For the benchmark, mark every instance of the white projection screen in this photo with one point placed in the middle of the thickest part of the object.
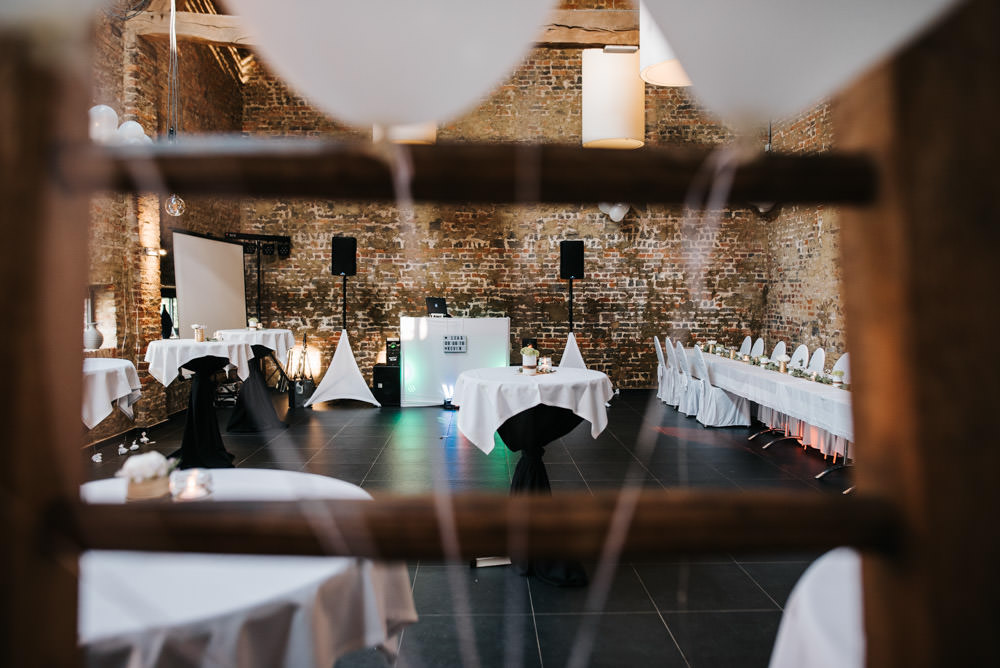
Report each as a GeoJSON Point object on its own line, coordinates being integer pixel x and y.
{"type": "Point", "coordinates": [210, 284]}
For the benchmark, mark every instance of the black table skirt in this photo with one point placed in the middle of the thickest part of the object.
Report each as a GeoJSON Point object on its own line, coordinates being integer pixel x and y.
{"type": "Point", "coordinates": [254, 411]}
{"type": "Point", "coordinates": [202, 444]}
{"type": "Point", "coordinates": [529, 432]}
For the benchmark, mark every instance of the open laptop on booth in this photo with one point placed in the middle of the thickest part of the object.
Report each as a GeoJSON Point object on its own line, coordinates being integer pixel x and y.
{"type": "Point", "coordinates": [437, 307]}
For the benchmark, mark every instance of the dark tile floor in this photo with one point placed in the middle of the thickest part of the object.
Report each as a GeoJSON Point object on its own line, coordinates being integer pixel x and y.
{"type": "Point", "coordinates": [715, 611]}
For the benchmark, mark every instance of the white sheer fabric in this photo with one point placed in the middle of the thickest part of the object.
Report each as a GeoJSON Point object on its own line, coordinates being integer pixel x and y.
{"type": "Point", "coordinates": [818, 360]}
{"type": "Point", "coordinates": [745, 347]}
{"type": "Point", "coordinates": [799, 357]}
{"type": "Point", "coordinates": [571, 357]}
{"type": "Point", "coordinates": [758, 348]}
{"type": "Point", "coordinates": [678, 375]}
{"type": "Point", "coordinates": [690, 400]}
{"type": "Point", "coordinates": [343, 380]}
{"type": "Point", "coordinates": [779, 350]}
{"type": "Point", "coordinates": [718, 408]}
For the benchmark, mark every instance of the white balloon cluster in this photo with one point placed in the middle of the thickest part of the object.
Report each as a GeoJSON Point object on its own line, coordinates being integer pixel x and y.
{"type": "Point", "coordinates": [616, 211]}
{"type": "Point", "coordinates": [104, 129]}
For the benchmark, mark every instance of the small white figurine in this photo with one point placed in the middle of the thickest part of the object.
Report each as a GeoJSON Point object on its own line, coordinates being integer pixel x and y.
{"type": "Point", "coordinates": [122, 449]}
{"type": "Point", "coordinates": [97, 458]}
{"type": "Point", "coordinates": [145, 439]}
{"type": "Point", "coordinates": [134, 446]}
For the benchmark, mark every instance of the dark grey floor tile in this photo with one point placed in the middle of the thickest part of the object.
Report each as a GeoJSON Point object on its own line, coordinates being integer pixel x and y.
{"type": "Point", "coordinates": [699, 586]}
{"type": "Point", "coordinates": [626, 594]}
{"type": "Point", "coordinates": [725, 639]}
{"type": "Point", "coordinates": [363, 658]}
{"type": "Point", "coordinates": [494, 590]}
{"type": "Point", "coordinates": [338, 456]}
{"type": "Point", "coordinates": [352, 473]}
{"type": "Point", "coordinates": [618, 640]}
{"type": "Point", "coordinates": [777, 579]}
{"type": "Point", "coordinates": [620, 470]}
{"type": "Point", "coordinates": [498, 640]}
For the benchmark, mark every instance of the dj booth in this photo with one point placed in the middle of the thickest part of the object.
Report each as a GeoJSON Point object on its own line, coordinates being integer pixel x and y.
{"type": "Point", "coordinates": [435, 350]}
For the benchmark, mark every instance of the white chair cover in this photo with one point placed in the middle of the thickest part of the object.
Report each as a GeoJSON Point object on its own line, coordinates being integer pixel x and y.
{"type": "Point", "coordinates": [844, 364]}
{"type": "Point", "coordinates": [571, 357]}
{"type": "Point", "coordinates": [690, 402]}
{"type": "Point", "coordinates": [758, 348]}
{"type": "Point", "coordinates": [779, 350]}
{"type": "Point", "coordinates": [745, 348]}
{"type": "Point", "coordinates": [799, 357]}
{"type": "Point", "coordinates": [717, 407]}
{"type": "Point", "coordinates": [678, 376]}
{"type": "Point", "coordinates": [818, 360]}
{"type": "Point", "coordinates": [663, 376]}
{"type": "Point", "coordinates": [343, 380]}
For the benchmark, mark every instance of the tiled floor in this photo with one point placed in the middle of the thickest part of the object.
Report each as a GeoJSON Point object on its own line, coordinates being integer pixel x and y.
{"type": "Point", "coordinates": [715, 611]}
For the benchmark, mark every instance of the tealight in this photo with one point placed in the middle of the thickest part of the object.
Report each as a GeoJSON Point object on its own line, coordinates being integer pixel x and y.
{"type": "Point", "coordinates": [190, 484]}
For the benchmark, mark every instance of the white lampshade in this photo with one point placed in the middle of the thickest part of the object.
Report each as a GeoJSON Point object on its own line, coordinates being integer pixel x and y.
{"type": "Point", "coordinates": [413, 133]}
{"type": "Point", "coordinates": [613, 103]}
{"type": "Point", "coordinates": [657, 63]}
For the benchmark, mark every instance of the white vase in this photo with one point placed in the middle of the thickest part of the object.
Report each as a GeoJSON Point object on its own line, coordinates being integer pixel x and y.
{"type": "Point", "coordinates": [92, 337]}
{"type": "Point", "coordinates": [529, 362]}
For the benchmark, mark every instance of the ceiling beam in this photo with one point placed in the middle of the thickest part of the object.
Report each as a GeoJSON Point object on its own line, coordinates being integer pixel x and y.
{"type": "Point", "coordinates": [567, 28]}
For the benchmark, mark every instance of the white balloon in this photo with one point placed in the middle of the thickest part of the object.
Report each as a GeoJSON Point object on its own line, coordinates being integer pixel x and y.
{"type": "Point", "coordinates": [391, 63]}
{"type": "Point", "coordinates": [130, 130]}
{"type": "Point", "coordinates": [103, 123]}
{"type": "Point", "coordinates": [753, 61]}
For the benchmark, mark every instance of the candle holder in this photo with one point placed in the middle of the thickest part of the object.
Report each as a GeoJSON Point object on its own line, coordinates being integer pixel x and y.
{"type": "Point", "coordinates": [190, 484]}
{"type": "Point", "coordinates": [783, 367]}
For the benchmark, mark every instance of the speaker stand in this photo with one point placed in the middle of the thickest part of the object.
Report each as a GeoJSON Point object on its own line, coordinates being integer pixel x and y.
{"type": "Point", "coordinates": [343, 302]}
{"type": "Point", "coordinates": [571, 304]}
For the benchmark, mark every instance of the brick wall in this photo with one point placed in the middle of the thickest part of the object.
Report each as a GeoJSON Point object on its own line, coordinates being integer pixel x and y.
{"type": "Point", "coordinates": [503, 260]}
{"type": "Point", "coordinates": [804, 304]}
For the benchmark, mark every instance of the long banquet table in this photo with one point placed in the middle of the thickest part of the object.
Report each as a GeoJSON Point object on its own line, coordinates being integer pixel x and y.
{"type": "Point", "coordinates": [187, 609]}
{"type": "Point", "coordinates": [822, 406]}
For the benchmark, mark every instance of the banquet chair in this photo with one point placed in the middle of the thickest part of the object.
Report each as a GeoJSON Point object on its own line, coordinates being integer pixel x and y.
{"type": "Point", "coordinates": [818, 361]}
{"type": "Point", "coordinates": [690, 399]}
{"type": "Point", "coordinates": [779, 350]}
{"type": "Point", "coordinates": [718, 408]}
{"type": "Point", "coordinates": [676, 370]}
{"type": "Point", "coordinates": [662, 372]}
{"type": "Point", "coordinates": [745, 348]}
{"type": "Point", "coordinates": [758, 347]}
{"type": "Point", "coordinates": [799, 357]}
{"type": "Point", "coordinates": [843, 364]}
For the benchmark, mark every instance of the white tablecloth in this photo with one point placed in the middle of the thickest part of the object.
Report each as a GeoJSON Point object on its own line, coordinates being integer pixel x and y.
{"type": "Point", "coordinates": [822, 623]}
{"type": "Point", "coordinates": [489, 397]}
{"type": "Point", "coordinates": [167, 356]}
{"type": "Point", "coordinates": [822, 406]}
{"type": "Point", "coordinates": [150, 608]}
{"type": "Point", "coordinates": [105, 382]}
{"type": "Point", "coordinates": [278, 340]}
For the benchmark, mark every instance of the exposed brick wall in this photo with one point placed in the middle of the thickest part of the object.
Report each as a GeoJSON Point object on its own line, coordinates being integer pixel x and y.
{"type": "Point", "coordinates": [804, 304]}
{"type": "Point", "coordinates": [503, 260]}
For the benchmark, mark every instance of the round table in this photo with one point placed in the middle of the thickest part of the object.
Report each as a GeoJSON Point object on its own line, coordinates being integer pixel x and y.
{"type": "Point", "coordinates": [254, 411]}
{"type": "Point", "coordinates": [529, 412]}
{"type": "Point", "coordinates": [201, 445]}
{"type": "Point", "coordinates": [107, 382]}
{"type": "Point", "coordinates": [150, 608]}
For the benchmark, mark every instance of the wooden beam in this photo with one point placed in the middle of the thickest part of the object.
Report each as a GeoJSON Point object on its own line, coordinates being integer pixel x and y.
{"type": "Point", "coordinates": [42, 273]}
{"type": "Point", "coordinates": [568, 28]}
{"type": "Point", "coordinates": [517, 173]}
{"type": "Point", "coordinates": [567, 525]}
{"type": "Point", "coordinates": [920, 275]}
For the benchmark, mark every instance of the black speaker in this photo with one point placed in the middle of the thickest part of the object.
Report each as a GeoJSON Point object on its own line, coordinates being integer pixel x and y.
{"type": "Point", "coordinates": [345, 256]}
{"type": "Point", "coordinates": [571, 258]}
{"type": "Point", "coordinates": [385, 384]}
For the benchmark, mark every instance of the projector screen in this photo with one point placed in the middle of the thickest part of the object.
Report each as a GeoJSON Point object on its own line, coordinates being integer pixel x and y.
{"type": "Point", "coordinates": [210, 284]}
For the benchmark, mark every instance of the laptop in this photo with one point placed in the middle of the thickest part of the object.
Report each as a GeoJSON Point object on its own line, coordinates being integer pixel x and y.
{"type": "Point", "coordinates": [437, 306]}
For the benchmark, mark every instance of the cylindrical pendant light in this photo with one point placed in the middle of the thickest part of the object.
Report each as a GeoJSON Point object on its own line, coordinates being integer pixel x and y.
{"type": "Point", "coordinates": [657, 63]}
{"type": "Point", "coordinates": [613, 103]}
{"type": "Point", "coordinates": [415, 133]}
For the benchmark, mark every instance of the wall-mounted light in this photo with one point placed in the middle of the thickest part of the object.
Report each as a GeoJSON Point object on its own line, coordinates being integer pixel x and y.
{"type": "Point", "coordinates": [155, 252]}
{"type": "Point", "coordinates": [613, 98]}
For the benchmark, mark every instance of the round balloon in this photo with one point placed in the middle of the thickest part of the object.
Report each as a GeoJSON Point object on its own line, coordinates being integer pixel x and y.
{"type": "Point", "coordinates": [392, 63]}
{"type": "Point", "coordinates": [754, 61]}
{"type": "Point", "coordinates": [103, 123]}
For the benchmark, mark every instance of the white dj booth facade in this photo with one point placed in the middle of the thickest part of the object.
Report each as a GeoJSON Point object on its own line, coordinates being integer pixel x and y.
{"type": "Point", "coordinates": [433, 351]}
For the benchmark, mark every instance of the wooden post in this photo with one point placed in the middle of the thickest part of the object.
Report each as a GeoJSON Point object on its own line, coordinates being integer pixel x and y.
{"type": "Point", "coordinates": [921, 273]}
{"type": "Point", "coordinates": [42, 273]}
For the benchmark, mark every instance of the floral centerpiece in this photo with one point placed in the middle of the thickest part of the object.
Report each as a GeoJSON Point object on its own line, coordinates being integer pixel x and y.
{"type": "Point", "coordinates": [253, 323]}
{"type": "Point", "coordinates": [529, 359]}
{"type": "Point", "coordinates": [838, 377]}
{"type": "Point", "coordinates": [148, 476]}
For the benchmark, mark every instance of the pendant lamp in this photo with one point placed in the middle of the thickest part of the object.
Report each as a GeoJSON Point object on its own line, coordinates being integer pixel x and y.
{"type": "Point", "coordinates": [613, 103]}
{"type": "Point", "coordinates": [657, 63]}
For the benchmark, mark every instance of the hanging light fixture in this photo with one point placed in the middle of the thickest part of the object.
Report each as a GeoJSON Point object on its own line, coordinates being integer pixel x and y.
{"type": "Point", "coordinates": [173, 205]}
{"type": "Point", "coordinates": [613, 105]}
{"type": "Point", "coordinates": [413, 133]}
{"type": "Point", "coordinates": [657, 63]}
